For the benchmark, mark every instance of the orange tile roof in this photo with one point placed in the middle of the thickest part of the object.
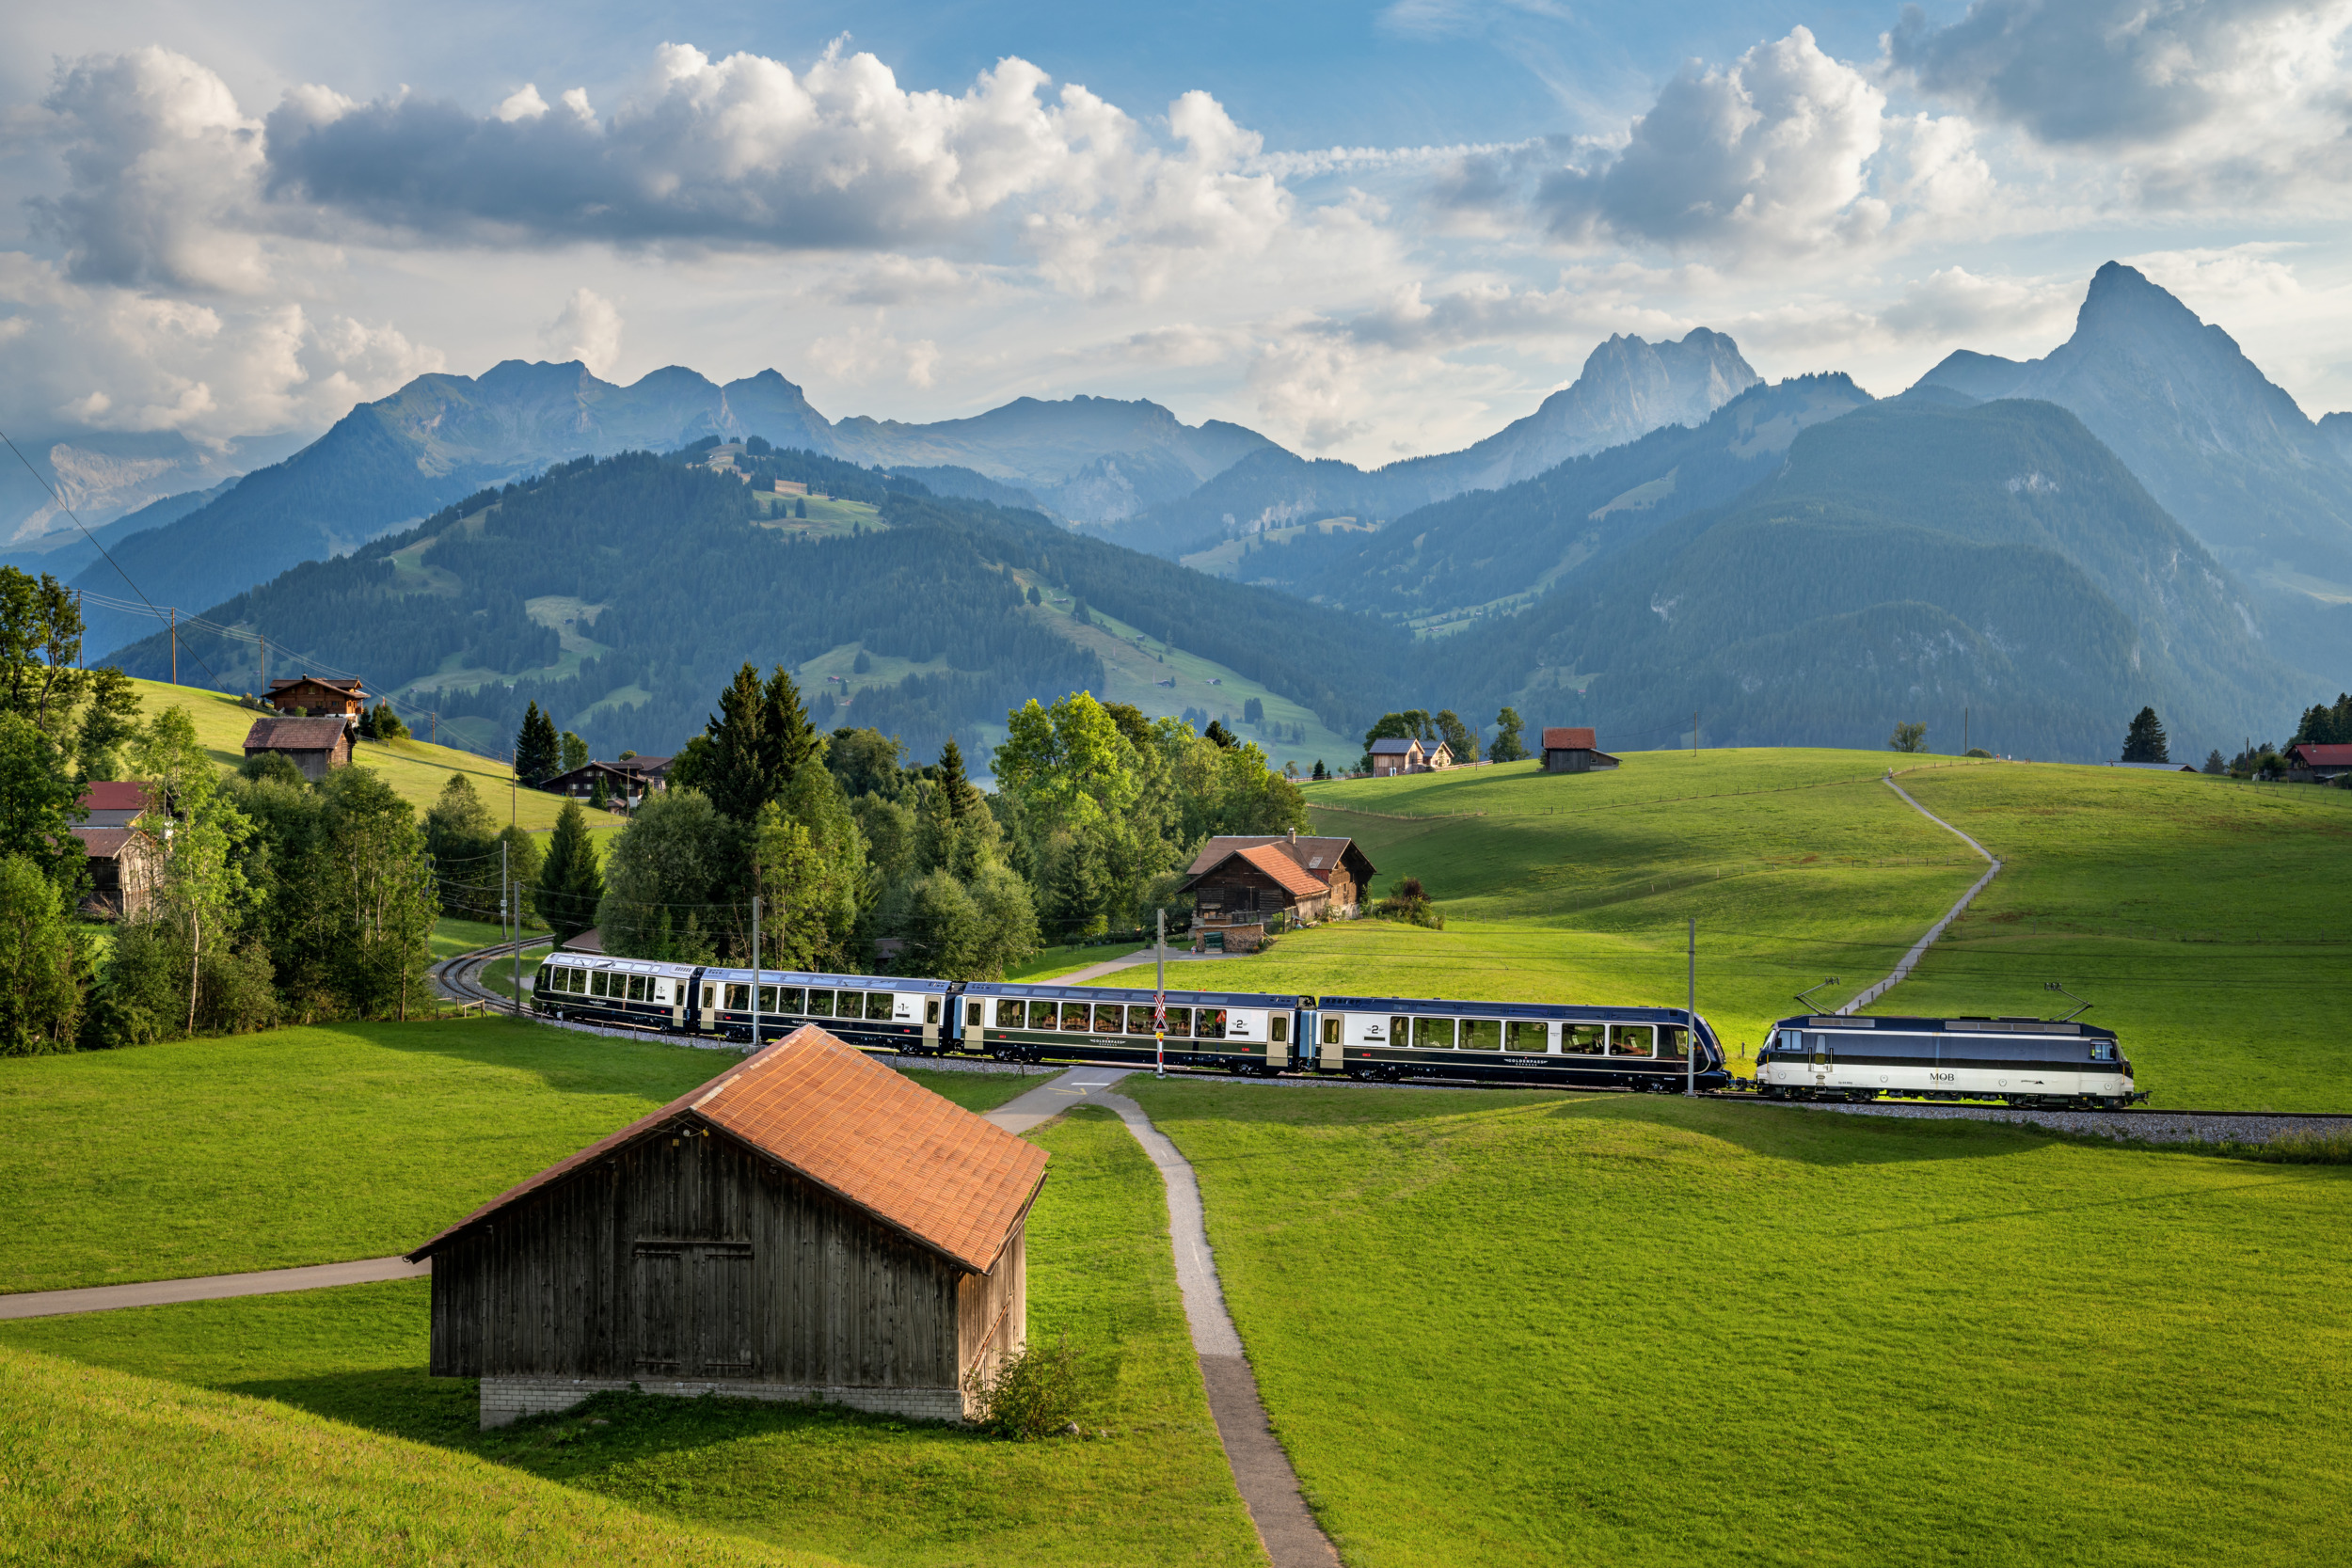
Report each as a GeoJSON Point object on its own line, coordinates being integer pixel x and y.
{"type": "Point", "coordinates": [914, 1160]}
{"type": "Point", "coordinates": [1570, 739]}
{"type": "Point", "coordinates": [1288, 873]}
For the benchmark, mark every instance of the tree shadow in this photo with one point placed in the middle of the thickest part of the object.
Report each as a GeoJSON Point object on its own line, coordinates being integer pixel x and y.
{"type": "Point", "coordinates": [1831, 1138]}
{"type": "Point", "coordinates": [561, 1059]}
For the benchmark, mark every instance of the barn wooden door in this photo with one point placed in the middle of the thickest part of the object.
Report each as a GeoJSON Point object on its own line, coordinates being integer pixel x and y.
{"type": "Point", "coordinates": [694, 1309]}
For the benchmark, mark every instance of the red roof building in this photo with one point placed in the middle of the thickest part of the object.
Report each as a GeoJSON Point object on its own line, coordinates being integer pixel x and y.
{"type": "Point", "coordinates": [2320, 761]}
{"type": "Point", "coordinates": [808, 1224]}
{"type": "Point", "coordinates": [1240, 882]}
{"type": "Point", "coordinates": [1574, 749]}
{"type": "Point", "coordinates": [108, 805]}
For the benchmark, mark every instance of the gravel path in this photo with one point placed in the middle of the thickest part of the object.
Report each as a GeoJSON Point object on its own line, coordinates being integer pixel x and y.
{"type": "Point", "coordinates": [2155, 1127]}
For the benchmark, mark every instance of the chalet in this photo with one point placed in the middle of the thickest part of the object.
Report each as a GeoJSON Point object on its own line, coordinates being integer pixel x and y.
{"type": "Point", "coordinates": [315, 697]}
{"type": "Point", "coordinates": [317, 746]}
{"type": "Point", "coordinates": [1238, 882]}
{"type": "Point", "coordinates": [125, 866]}
{"type": "Point", "coordinates": [1391, 756]}
{"type": "Point", "coordinates": [108, 804]}
{"type": "Point", "coordinates": [627, 782]}
{"type": "Point", "coordinates": [1574, 751]}
{"type": "Point", "coordinates": [2318, 764]}
{"type": "Point", "coordinates": [809, 1225]}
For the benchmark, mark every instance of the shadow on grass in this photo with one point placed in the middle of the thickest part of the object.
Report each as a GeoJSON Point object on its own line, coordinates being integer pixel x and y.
{"type": "Point", "coordinates": [1838, 1138]}
{"type": "Point", "coordinates": [562, 1059]}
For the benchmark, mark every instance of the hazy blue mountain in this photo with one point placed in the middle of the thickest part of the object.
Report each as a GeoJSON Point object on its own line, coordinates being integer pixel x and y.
{"type": "Point", "coordinates": [63, 557]}
{"type": "Point", "coordinates": [1907, 561]}
{"type": "Point", "coordinates": [1490, 551]}
{"type": "Point", "coordinates": [2220, 447]}
{"type": "Point", "coordinates": [1626, 389]}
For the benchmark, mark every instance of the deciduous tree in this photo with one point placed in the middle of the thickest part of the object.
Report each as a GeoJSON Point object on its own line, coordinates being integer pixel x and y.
{"type": "Point", "coordinates": [41, 962]}
{"type": "Point", "coordinates": [1510, 738]}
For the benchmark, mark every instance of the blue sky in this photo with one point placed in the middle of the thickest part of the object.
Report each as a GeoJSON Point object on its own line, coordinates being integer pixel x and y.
{"type": "Point", "coordinates": [224, 225]}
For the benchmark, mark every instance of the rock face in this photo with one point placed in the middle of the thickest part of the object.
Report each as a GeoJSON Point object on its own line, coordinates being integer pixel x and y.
{"type": "Point", "coordinates": [2220, 445]}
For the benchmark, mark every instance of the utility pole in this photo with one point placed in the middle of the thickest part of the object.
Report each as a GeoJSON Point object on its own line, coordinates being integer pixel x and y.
{"type": "Point", "coordinates": [1159, 996]}
{"type": "Point", "coordinates": [265, 642]}
{"type": "Point", "coordinates": [755, 971]}
{"type": "Point", "coordinates": [1690, 1044]}
{"type": "Point", "coordinates": [1695, 737]}
{"type": "Point", "coordinates": [175, 644]}
{"type": "Point", "coordinates": [1964, 732]}
{"type": "Point", "coordinates": [502, 879]}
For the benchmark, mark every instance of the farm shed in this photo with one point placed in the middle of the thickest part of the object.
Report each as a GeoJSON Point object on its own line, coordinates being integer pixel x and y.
{"type": "Point", "coordinates": [125, 863]}
{"type": "Point", "coordinates": [1574, 751]}
{"type": "Point", "coordinates": [1239, 881]}
{"type": "Point", "coordinates": [809, 1225]}
{"type": "Point", "coordinates": [319, 698]}
{"type": "Point", "coordinates": [317, 746]}
{"type": "Point", "coordinates": [109, 804]}
{"type": "Point", "coordinates": [2318, 763]}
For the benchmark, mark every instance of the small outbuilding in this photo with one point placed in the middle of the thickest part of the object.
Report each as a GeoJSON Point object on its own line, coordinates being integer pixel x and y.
{"type": "Point", "coordinates": [108, 803]}
{"type": "Point", "coordinates": [317, 746]}
{"type": "Point", "coordinates": [809, 1225]}
{"type": "Point", "coordinates": [1574, 749]}
{"type": "Point", "coordinates": [316, 697]}
{"type": "Point", "coordinates": [125, 866]}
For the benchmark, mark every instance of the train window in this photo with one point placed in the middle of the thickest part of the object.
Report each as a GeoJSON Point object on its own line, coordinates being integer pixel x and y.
{"type": "Point", "coordinates": [1179, 1023]}
{"type": "Point", "coordinates": [1482, 1034]}
{"type": "Point", "coordinates": [820, 1003]}
{"type": "Point", "coordinates": [1583, 1040]}
{"type": "Point", "coordinates": [791, 999]}
{"type": "Point", "coordinates": [880, 1005]}
{"type": "Point", "coordinates": [1433, 1034]}
{"type": "Point", "coordinates": [1670, 1037]}
{"type": "Point", "coordinates": [738, 998]}
{"type": "Point", "coordinates": [2102, 1050]}
{"type": "Point", "coordinates": [1531, 1038]}
{"type": "Point", "coordinates": [637, 987]}
{"type": "Point", "coordinates": [1279, 1029]}
{"type": "Point", "coordinates": [1106, 1017]}
{"type": "Point", "coordinates": [766, 999]}
{"type": "Point", "coordinates": [710, 997]}
{"type": "Point", "coordinates": [1077, 1018]}
{"type": "Point", "coordinates": [1630, 1040]}
{"type": "Point", "coordinates": [596, 982]}
{"type": "Point", "coordinates": [1399, 1032]}
{"type": "Point", "coordinates": [930, 1009]}
{"type": "Point", "coordinates": [1010, 1014]}
{"type": "Point", "coordinates": [1208, 1023]}
{"type": "Point", "coordinates": [1331, 1029]}
{"type": "Point", "coordinates": [1138, 1021]}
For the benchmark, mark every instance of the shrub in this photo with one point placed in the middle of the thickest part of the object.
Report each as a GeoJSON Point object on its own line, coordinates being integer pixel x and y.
{"type": "Point", "coordinates": [1411, 903]}
{"type": "Point", "coordinates": [1033, 1393]}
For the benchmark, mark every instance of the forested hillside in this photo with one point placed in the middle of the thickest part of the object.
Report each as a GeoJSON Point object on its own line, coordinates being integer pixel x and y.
{"type": "Point", "coordinates": [619, 594]}
{"type": "Point", "coordinates": [1911, 561]}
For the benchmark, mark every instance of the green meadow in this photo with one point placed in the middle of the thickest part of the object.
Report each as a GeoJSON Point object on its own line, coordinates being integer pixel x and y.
{"type": "Point", "coordinates": [274, 1388]}
{"type": "Point", "coordinates": [2190, 912]}
{"type": "Point", "coordinates": [1506, 1328]}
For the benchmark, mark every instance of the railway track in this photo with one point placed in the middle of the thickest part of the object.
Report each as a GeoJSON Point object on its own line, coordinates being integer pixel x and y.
{"type": "Point", "coordinates": [459, 979]}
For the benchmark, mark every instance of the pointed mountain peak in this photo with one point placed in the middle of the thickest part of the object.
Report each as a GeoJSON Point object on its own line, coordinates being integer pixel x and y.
{"type": "Point", "coordinates": [2121, 299]}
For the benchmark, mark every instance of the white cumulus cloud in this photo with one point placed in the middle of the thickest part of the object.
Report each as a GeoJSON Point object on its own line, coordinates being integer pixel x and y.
{"type": "Point", "coordinates": [588, 329]}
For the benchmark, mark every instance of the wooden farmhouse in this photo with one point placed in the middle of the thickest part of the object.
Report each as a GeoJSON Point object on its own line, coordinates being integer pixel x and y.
{"type": "Point", "coordinates": [1391, 755]}
{"type": "Point", "coordinates": [809, 1225]}
{"type": "Point", "coordinates": [314, 697]}
{"type": "Point", "coordinates": [125, 866]}
{"type": "Point", "coordinates": [627, 783]}
{"type": "Point", "coordinates": [2318, 764]}
{"type": "Point", "coordinates": [317, 746]}
{"type": "Point", "coordinates": [1239, 882]}
{"type": "Point", "coordinates": [1574, 751]}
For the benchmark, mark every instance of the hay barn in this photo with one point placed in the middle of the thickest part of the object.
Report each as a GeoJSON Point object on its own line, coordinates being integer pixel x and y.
{"type": "Point", "coordinates": [809, 1225]}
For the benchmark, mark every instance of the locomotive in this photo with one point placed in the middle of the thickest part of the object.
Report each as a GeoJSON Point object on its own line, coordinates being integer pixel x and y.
{"type": "Point", "coordinates": [2022, 1061]}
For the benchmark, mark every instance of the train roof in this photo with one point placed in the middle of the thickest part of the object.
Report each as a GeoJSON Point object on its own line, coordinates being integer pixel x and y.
{"type": "Point", "coordinates": [1130, 994]}
{"type": "Point", "coordinates": [1410, 1004]}
{"type": "Point", "coordinates": [1945, 1025]}
{"type": "Point", "coordinates": [807, 977]}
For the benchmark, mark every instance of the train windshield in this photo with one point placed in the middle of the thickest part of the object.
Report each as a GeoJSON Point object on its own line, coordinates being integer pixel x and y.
{"type": "Point", "coordinates": [1670, 1041]}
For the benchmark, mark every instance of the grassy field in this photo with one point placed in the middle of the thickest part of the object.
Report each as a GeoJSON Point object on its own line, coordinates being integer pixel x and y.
{"type": "Point", "coordinates": [2170, 900]}
{"type": "Point", "coordinates": [1147, 1486]}
{"type": "Point", "coordinates": [311, 1145]}
{"type": "Point", "coordinates": [1509, 1328]}
{"type": "Point", "coordinates": [416, 768]}
{"type": "Point", "coordinates": [106, 1467]}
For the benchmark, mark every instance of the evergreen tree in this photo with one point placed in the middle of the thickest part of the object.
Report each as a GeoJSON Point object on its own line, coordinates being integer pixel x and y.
{"type": "Point", "coordinates": [2144, 742]}
{"type": "Point", "coordinates": [1510, 738]}
{"type": "Point", "coordinates": [1321, 771]}
{"type": "Point", "coordinates": [787, 735]}
{"type": "Point", "coordinates": [570, 884]}
{"type": "Point", "coordinates": [963, 798]}
{"type": "Point", "coordinates": [598, 796]}
{"type": "Point", "coordinates": [1225, 738]}
{"type": "Point", "coordinates": [538, 751]}
{"type": "Point", "coordinates": [2214, 763]}
{"type": "Point", "coordinates": [735, 772]}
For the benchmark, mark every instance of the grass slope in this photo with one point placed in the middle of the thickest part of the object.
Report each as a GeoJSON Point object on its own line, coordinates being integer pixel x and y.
{"type": "Point", "coordinates": [311, 1145]}
{"type": "Point", "coordinates": [2172, 898]}
{"type": "Point", "coordinates": [1510, 1328]}
{"type": "Point", "coordinates": [105, 1466]}
{"type": "Point", "coordinates": [1152, 1489]}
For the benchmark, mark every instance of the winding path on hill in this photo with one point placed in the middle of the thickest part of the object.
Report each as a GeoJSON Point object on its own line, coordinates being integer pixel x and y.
{"type": "Point", "coordinates": [1919, 949]}
{"type": "Point", "coordinates": [1261, 1471]}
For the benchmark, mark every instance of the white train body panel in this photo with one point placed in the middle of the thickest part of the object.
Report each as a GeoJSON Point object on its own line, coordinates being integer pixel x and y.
{"type": "Point", "coordinates": [1955, 1058]}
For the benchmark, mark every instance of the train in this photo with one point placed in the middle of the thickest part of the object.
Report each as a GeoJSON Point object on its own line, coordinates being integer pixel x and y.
{"type": "Point", "coordinates": [1369, 1038]}
{"type": "Point", "coordinates": [2020, 1061]}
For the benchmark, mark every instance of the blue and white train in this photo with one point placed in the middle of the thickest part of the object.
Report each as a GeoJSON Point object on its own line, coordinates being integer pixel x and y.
{"type": "Point", "coordinates": [1371, 1037]}
{"type": "Point", "coordinates": [2022, 1061]}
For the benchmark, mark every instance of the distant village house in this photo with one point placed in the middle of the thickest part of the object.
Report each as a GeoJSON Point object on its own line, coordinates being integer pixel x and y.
{"type": "Point", "coordinates": [1239, 882]}
{"type": "Point", "coordinates": [1391, 756]}
{"type": "Point", "coordinates": [126, 861]}
{"type": "Point", "coordinates": [1574, 749]}
{"type": "Point", "coordinates": [314, 697]}
{"type": "Point", "coordinates": [2318, 764]}
{"type": "Point", "coordinates": [627, 783]}
{"type": "Point", "coordinates": [317, 746]}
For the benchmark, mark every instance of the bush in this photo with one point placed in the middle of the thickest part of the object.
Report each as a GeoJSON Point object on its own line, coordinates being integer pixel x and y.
{"type": "Point", "coordinates": [1411, 903]}
{"type": "Point", "coordinates": [271, 767]}
{"type": "Point", "coordinates": [1034, 1392]}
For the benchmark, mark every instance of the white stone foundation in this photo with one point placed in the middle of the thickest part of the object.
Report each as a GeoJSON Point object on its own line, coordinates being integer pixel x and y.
{"type": "Point", "coordinates": [505, 1400]}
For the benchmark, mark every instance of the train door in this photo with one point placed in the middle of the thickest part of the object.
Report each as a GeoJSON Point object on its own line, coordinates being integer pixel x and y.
{"type": "Point", "coordinates": [932, 1007]}
{"type": "Point", "coordinates": [709, 1009]}
{"type": "Point", "coordinates": [1278, 1040]}
{"type": "Point", "coordinates": [1821, 1058]}
{"type": "Point", "coordinates": [1331, 1030]}
{"type": "Point", "coordinates": [973, 1011]}
{"type": "Point", "coordinates": [675, 991]}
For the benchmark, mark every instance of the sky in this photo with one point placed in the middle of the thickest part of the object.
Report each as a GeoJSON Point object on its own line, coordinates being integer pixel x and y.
{"type": "Point", "coordinates": [1368, 231]}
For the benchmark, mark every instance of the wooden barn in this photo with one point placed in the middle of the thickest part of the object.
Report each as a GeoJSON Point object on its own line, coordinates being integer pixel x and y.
{"type": "Point", "coordinates": [1574, 751]}
{"type": "Point", "coordinates": [1240, 881]}
{"type": "Point", "coordinates": [317, 697]}
{"type": "Point", "coordinates": [809, 1225]}
{"type": "Point", "coordinates": [317, 746]}
{"type": "Point", "coordinates": [126, 865]}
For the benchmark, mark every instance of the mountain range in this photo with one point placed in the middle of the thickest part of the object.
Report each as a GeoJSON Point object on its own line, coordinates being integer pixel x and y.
{"type": "Point", "coordinates": [2138, 516]}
